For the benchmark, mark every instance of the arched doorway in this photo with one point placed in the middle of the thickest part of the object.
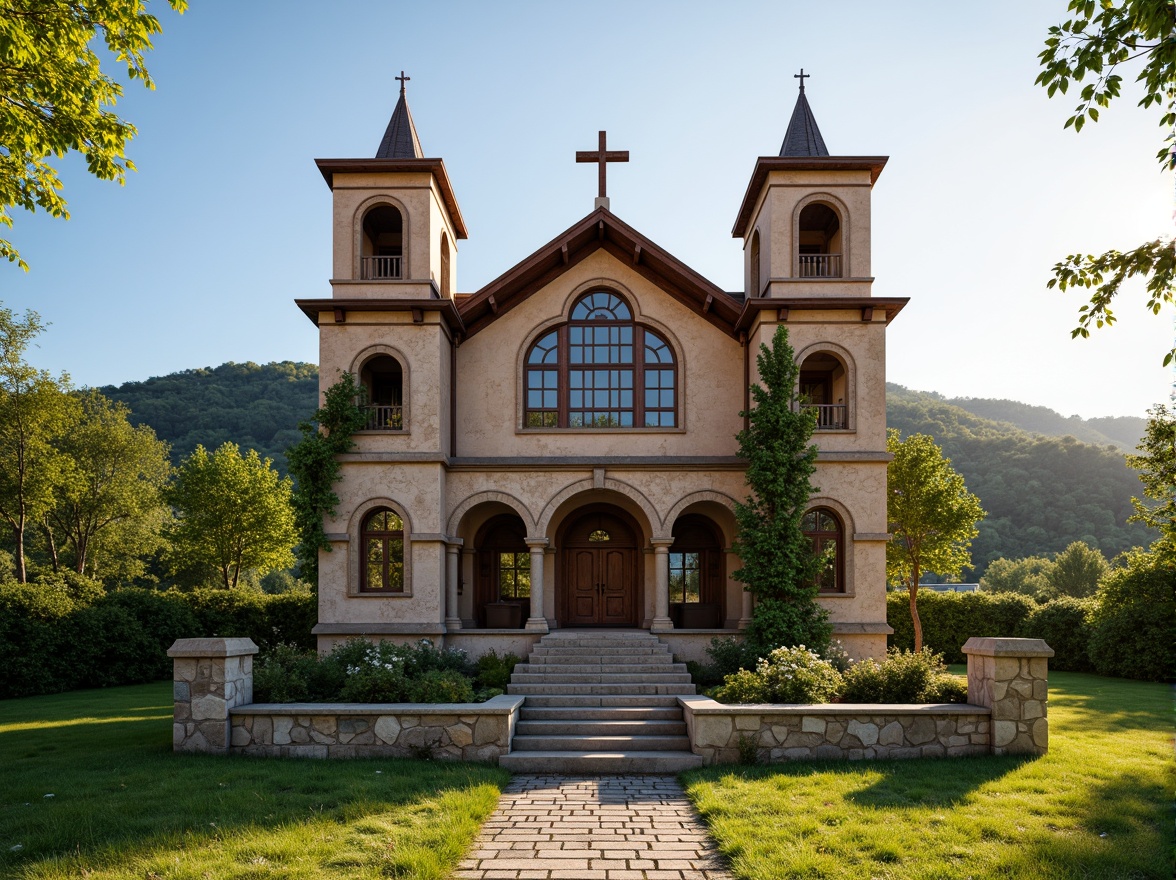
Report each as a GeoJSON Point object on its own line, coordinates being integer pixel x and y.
{"type": "Point", "coordinates": [600, 579]}
{"type": "Point", "coordinates": [502, 574]}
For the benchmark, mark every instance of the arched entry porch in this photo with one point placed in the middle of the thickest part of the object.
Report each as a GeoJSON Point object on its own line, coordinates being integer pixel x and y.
{"type": "Point", "coordinates": [599, 571]}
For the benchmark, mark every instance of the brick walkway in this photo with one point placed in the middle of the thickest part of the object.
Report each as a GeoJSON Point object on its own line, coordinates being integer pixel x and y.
{"type": "Point", "coordinates": [593, 828]}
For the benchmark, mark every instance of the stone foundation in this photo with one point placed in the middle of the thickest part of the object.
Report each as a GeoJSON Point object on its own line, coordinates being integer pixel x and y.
{"type": "Point", "coordinates": [458, 731]}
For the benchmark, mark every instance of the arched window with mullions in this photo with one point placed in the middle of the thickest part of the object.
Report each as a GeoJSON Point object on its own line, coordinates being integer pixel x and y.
{"type": "Point", "coordinates": [382, 540]}
{"type": "Point", "coordinates": [823, 527]}
{"type": "Point", "coordinates": [601, 370]}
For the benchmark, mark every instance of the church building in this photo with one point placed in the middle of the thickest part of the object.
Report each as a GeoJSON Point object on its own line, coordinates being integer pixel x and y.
{"type": "Point", "coordinates": [557, 448]}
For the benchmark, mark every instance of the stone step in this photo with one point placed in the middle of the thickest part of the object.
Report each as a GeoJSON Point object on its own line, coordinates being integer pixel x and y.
{"type": "Point", "coordinates": [585, 690]}
{"type": "Point", "coordinates": [620, 701]}
{"type": "Point", "coordinates": [576, 714]}
{"type": "Point", "coordinates": [631, 634]}
{"type": "Point", "coordinates": [590, 642]}
{"type": "Point", "coordinates": [576, 743]}
{"type": "Point", "coordinates": [595, 763]}
{"type": "Point", "coordinates": [611, 727]}
{"type": "Point", "coordinates": [578, 659]}
{"type": "Point", "coordinates": [612, 678]}
{"type": "Point", "coordinates": [620, 655]}
{"type": "Point", "coordinates": [663, 667]}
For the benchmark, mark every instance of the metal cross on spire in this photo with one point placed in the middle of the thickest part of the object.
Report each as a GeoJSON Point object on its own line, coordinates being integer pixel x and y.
{"type": "Point", "coordinates": [403, 79]}
{"type": "Point", "coordinates": [802, 76]}
{"type": "Point", "coordinates": [602, 156]}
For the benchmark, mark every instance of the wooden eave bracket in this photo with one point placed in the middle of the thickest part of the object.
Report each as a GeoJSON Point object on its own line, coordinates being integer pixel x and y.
{"type": "Point", "coordinates": [493, 304]}
{"type": "Point", "coordinates": [340, 316]}
{"type": "Point", "coordinates": [418, 316]}
{"type": "Point", "coordinates": [867, 314]}
{"type": "Point", "coordinates": [706, 306]}
{"type": "Point", "coordinates": [637, 255]}
{"type": "Point", "coordinates": [782, 315]}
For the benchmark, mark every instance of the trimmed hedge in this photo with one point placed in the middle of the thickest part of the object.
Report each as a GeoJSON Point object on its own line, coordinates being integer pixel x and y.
{"type": "Point", "coordinates": [950, 619]}
{"type": "Point", "coordinates": [64, 634]}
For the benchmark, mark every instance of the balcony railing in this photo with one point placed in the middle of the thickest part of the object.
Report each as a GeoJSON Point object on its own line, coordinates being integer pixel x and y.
{"type": "Point", "coordinates": [830, 416]}
{"type": "Point", "coordinates": [380, 267]}
{"type": "Point", "coordinates": [820, 265]}
{"type": "Point", "coordinates": [384, 418]}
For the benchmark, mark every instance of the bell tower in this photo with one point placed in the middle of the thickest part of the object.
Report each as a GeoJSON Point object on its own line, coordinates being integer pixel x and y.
{"type": "Point", "coordinates": [805, 219]}
{"type": "Point", "coordinates": [396, 220]}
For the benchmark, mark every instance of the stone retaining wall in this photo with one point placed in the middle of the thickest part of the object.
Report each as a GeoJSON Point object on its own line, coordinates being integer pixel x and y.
{"type": "Point", "coordinates": [458, 731]}
{"type": "Point", "coordinates": [839, 730]}
{"type": "Point", "coordinates": [1006, 713]}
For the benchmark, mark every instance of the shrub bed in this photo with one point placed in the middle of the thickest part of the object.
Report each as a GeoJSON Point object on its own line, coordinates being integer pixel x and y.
{"type": "Point", "coordinates": [361, 672]}
{"type": "Point", "coordinates": [797, 675]}
{"type": "Point", "coordinates": [66, 632]}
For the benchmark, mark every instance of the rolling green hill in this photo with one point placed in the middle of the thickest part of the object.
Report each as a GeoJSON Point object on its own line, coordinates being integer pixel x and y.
{"type": "Point", "coordinates": [1041, 492]}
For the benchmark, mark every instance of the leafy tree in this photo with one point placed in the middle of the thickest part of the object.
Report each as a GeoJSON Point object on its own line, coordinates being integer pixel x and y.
{"type": "Point", "coordinates": [932, 516]}
{"type": "Point", "coordinates": [1095, 41]}
{"type": "Point", "coordinates": [1076, 572]}
{"type": "Point", "coordinates": [1028, 576]}
{"type": "Point", "coordinates": [108, 501]}
{"type": "Point", "coordinates": [55, 98]}
{"type": "Point", "coordinates": [232, 513]}
{"type": "Point", "coordinates": [1157, 472]}
{"type": "Point", "coordinates": [315, 466]}
{"type": "Point", "coordinates": [1133, 631]}
{"type": "Point", "coordinates": [778, 565]}
{"type": "Point", "coordinates": [34, 412]}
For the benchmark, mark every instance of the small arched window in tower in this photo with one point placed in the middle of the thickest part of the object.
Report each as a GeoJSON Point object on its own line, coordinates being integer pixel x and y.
{"type": "Point", "coordinates": [383, 378]}
{"type": "Point", "coordinates": [819, 240]}
{"type": "Point", "coordinates": [445, 291]}
{"type": "Point", "coordinates": [755, 265]}
{"type": "Point", "coordinates": [823, 527]}
{"type": "Point", "coordinates": [382, 540]}
{"type": "Point", "coordinates": [824, 387]}
{"type": "Point", "coordinates": [382, 244]}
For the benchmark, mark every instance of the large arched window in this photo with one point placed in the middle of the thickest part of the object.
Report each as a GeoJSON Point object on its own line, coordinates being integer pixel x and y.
{"type": "Point", "coordinates": [600, 370]}
{"type": "Point", "coordinates": [823, 527]}
{"type": "Point", "coordinates": [382, 244]}
{"type": "Point", "coordinates": [382, 539]}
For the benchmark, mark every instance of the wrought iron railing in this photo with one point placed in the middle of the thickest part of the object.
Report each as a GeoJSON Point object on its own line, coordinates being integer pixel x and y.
{"type": "Point", "coordinates": [820, 265]}
{"type": "Point", "coordinates": [384, 418]}
{"type": "Point", "coordinates": [830, 416]}
{"type": "Point", "coordinates": [380, 267]}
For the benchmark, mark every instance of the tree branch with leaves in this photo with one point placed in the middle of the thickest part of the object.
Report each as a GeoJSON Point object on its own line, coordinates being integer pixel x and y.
{"type": "Point", "coordinates": [1101, 36]}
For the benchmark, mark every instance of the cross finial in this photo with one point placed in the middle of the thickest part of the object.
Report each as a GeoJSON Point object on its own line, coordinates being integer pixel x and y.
{"type": "Point", "coordinates": [802, 76]}
{"type": "Point", "coordinates": [403, 79]}
{"type": "Point", "coordinates": [601, 156]}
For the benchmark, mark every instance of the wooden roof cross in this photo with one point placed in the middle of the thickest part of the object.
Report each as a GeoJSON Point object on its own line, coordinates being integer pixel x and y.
{"type": "Point", "coordinates": [602, 156]}
{"type": "Point", "coordinates": [403, 79]}
{"type": "Point", "coordinates": [802, 76]}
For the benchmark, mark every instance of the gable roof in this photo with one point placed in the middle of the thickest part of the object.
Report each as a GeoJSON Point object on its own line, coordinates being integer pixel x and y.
{"type": "Point", "coordinates": [600, 230]}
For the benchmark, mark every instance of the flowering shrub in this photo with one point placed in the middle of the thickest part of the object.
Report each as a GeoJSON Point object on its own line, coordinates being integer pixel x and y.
{"type": "Point", "coordinates": [361, 672]}
{"type": "Point", "coordinates": [787, 675]}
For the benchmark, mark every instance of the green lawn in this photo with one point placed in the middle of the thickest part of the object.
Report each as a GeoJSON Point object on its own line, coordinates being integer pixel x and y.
{"type": "Point", "coordinates": [1099, 805]}
{"type": "Point", "coordinates": [89, 787]}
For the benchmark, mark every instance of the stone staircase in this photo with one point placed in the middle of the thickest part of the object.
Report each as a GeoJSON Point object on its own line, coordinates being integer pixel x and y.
{"type": "Point", "coordinates": [600, 702]}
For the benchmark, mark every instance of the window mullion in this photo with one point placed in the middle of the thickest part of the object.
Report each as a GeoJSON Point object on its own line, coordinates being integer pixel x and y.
{"type": "Point", "coordinates": [638, 377]}
{"type": "Point", "coordinates": [561, 359]}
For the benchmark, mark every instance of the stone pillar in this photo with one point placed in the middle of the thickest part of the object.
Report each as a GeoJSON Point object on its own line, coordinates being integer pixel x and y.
{"type": "Point", "coordinates": [452, 573]}
{"type": "Point", "coordinates": [537, 622]}
{"type": "Point", "coordinates": [748, 607]}
{"type": "Point", "coordinates": [661, 596]}
{"type": "Point", "coordinates": [1011, 677]}
{"type": "Point", "coordinates": [210, 677]}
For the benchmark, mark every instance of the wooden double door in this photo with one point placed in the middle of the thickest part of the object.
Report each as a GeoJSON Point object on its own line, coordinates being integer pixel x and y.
{"type": "Point", "coordinates": [600, 578]}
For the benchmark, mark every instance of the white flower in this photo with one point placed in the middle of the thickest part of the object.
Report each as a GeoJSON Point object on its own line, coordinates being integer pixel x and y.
{"type": "Point", "coordinates": [50, 795]}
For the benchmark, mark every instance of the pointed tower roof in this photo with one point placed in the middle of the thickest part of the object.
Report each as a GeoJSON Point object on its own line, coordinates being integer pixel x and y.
{"type": "Point", "coordinates": [400, 138]}
{"type": "Point", "coordinates": [803, 138]}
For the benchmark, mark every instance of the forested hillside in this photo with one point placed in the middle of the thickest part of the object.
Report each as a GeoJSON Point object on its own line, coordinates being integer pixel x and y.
{"type": "Point", "coordinates": [1041, 493]}
{"type": "Point", "coordinates": [256, 406]}
{"type": "Point", "coordinates": [1122, 431]}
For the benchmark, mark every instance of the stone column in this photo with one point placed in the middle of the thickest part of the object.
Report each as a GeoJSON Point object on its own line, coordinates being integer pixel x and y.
{"type": "Point", "coordinates": [209, 677]}
{"type": "Point", "coordinates": [1011, 677]}
{"type": "Point", "coordinates": [452, 573]}
{"type": "Point", "coordinates": [537, 622]}
{"type": "Point", "coordinates": [661, 596]}
{"type": "Point", "coordinates": [748, 607]}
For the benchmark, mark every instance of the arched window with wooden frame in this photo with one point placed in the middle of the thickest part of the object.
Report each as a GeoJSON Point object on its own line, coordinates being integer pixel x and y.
{"type": "Point", "coordinates": [696, 574]}
{"type": "Point", "coordinates": [382, 560]}
{"type": "Point", "coordinates": [446, 293]}
{"type": "Point", "coordinates": [823, 528]}
{"type": "Point", "coordinates": [600, 370]}
{"type": "Point", "coordinates": [755, 264]}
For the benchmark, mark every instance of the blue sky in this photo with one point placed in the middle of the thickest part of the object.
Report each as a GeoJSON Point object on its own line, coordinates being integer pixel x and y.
{"type": "Point", "coordinates": [197, 259]}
